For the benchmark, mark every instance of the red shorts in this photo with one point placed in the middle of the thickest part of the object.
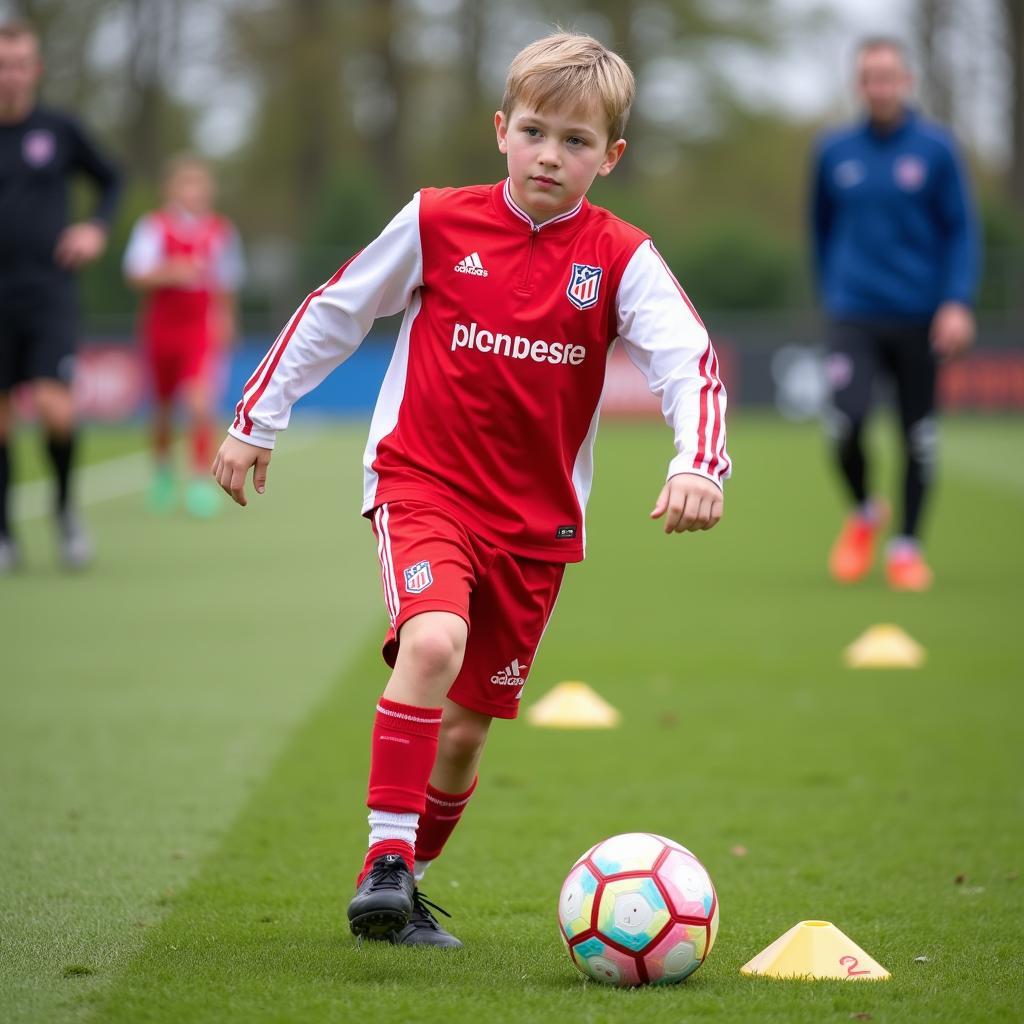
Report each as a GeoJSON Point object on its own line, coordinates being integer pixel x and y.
{"type": "Point", "coordinates": [172, 366]}
{"type": "Point", "coordinates": [430, 562]}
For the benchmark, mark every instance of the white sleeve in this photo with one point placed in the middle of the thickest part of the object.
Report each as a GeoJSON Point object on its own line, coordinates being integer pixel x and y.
{"type": "Point", "coordinates": [145, 249]}
{"type": "Point", "coordinates": [665, 339]}
{"type": "Point", "coordinates": [330, 325]}
{"type": "Point", "coordinates": [229, 267]}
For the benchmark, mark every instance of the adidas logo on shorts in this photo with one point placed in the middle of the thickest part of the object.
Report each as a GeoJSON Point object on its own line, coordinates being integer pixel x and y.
{"type": "Point", "coordinates": [510, 675]}
{"type": "Point", "coordinates": [471, 265]}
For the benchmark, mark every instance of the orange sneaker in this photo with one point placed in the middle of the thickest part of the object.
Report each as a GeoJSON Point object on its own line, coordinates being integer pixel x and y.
{"type": "Point", "coordinates": [907, 570]}
{"type": "Point", "coordinates": [854, 550]}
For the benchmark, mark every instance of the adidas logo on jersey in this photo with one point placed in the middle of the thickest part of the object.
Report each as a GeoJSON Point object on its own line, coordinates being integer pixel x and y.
{"type": "Point", "coordinates": [510, 675]}
{"type": "Point", "coordinates": [471, 265]}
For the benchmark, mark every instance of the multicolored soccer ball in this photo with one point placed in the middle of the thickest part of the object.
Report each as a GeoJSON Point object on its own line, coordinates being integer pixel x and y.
{"type": "Point", "coordinates": [638, 909]}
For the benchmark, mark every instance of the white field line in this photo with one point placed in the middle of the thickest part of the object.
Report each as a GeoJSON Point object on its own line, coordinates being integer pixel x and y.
{"type": "Point", "coordinates": [102, 481]}
{"type": "Point", "coordinates": [112, 478]}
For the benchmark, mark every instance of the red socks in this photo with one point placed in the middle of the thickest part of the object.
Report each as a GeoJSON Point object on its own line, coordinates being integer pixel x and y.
{"type": "Point", "coordinates": [201, 441]}
{"type": "Point", "coordinates": [401, 760]}
{"type": "Point", "coordinates": [162, 441]}
{"type": "Point", "coordinates": [442, 815]}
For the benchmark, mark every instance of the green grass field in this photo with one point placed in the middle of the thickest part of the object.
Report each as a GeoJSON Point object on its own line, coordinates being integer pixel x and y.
{"type": "Point", "coordinates": [184, 740]}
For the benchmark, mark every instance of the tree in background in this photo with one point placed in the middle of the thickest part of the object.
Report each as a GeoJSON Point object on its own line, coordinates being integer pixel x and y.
{"type": "Point", "coordinates": [324, 116]}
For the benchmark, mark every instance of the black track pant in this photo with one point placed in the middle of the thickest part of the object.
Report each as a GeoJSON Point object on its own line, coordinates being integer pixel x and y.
{"type": "Point", "coordinates": [858, 352]}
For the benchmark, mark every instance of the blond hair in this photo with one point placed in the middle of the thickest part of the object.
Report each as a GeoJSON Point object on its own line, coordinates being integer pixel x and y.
{"type": "Point", "coordinates": [185, 161]}
{"type": "Point", "coordinates": [570, 70]}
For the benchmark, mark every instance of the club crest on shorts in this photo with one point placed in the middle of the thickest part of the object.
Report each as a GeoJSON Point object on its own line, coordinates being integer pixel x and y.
{"type": "Point", "coordinates": [38, 147]}
{"type": "Point", "coordinates": [584, 285]}
{"type": "Point", "coordinates": [418, 577]}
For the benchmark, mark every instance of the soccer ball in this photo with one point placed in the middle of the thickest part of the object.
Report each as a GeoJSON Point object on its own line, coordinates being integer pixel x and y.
{"type": "Point", "coordinates": [638, 909]}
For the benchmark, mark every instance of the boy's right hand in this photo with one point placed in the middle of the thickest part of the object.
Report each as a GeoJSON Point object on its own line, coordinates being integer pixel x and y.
{"type": "Point", "coordinates": [233, 462]}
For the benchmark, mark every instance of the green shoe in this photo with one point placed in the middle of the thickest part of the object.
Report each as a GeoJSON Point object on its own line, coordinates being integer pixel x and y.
{"type": "Point", "coordinates": [201, 499]}
{"type": "Point", "coordinates": [162, 496]}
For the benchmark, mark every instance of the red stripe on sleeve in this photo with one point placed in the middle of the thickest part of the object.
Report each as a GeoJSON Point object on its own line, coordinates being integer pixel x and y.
{"type": "Point", "coordinates": [686, 298]}
{"type": "Point", "coordinates": [252, 380]}
{"type": "Point", "coordinates": [246, 421]}
{"type": "Point", "coordinates": [705, 362]}
{"type": "Point", "coordinates": [716, 429]}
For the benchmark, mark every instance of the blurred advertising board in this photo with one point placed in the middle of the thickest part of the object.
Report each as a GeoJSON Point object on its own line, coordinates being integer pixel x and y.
{"type": "Point", "coordinates": [110, 382]}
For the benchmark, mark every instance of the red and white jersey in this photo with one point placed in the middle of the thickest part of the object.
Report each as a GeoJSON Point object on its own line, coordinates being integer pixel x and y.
{"type": "Point", "coordinates": [180, 317]}
{"type": "Point", "coordinates": [211, 240]}
{"type": "Point", "coordinates": [489, 407]}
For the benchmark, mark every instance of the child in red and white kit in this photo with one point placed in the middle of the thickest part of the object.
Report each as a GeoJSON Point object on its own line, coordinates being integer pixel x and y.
{"type": "Point", "coordinates": [188, 261]}
{"type": "Point", "coordinates": [479, 461]}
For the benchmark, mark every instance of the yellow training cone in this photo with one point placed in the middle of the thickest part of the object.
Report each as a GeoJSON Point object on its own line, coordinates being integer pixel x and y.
{"type": "Point", "coordinates": [815, 949]}
{"type": "Point", "coordinates": [884, 646]}
{"type": "Point", "coordinates": [573, 705]}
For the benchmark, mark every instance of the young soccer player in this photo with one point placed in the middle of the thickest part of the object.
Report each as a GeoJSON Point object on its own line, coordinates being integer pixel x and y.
{"type": "Point", "coordinates": [188, 262]}
{"type": "Point", "coordinates": [479, 461]}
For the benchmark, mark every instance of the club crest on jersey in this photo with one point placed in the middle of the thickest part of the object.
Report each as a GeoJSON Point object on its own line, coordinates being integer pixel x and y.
{"type": "Point", "coordinates": [418, 577]}
{"type": "Point", "coordinates": [910, 172]}
{"type": "Point", "coordinates": [584, 285]}
{"type": "Point", "coordinates": [38, 147]}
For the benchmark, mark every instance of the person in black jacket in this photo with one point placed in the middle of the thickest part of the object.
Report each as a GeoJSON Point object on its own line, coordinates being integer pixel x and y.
{"type": "Point", "coordinates": [41, 150]}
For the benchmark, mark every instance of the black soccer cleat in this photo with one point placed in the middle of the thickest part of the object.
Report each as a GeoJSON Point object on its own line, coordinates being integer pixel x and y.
{"type": "Point", "coordinates": [383, 901]}
{"type": "Point", "coordinates": [423, 928]}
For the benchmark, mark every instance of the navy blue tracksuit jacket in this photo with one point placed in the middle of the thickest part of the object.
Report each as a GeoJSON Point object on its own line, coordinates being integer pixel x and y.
{"type": "Point", "coordinates": [894, 229]}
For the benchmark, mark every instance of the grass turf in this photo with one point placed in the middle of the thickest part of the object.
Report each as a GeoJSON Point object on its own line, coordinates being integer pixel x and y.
{"type": "Point", "coordinates": [96, 444]}
{"type": "Point", "coordinates": [860, 798]}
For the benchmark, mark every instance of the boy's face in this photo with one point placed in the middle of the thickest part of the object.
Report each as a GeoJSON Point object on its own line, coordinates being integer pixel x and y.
{"type": "Point", "coordinates": [554, 157]}
{"type": "Point", "coordinates": [191, 187]}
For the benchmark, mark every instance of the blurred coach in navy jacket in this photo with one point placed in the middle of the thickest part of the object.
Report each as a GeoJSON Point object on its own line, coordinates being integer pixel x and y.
{"type": "Point", "coordinates": [896, 261]}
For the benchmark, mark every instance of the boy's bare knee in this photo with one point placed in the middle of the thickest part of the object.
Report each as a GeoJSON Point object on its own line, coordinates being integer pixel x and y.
{"type": "Point", "coordinates": [433, 648]}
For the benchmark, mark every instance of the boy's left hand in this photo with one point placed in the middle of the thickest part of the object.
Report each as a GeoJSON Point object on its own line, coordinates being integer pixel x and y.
{"type": "Point", "coordinates": [692, 502]}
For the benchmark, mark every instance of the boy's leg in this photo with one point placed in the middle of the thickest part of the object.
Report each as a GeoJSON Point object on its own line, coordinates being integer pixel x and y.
{"type": "Point", "coordinates": [405, 734]}
{"type": "Point", "coordinates": [453, 780]}
{"type": "Point", "coordinates": [427, 570]}
{"type": "Point", "coordinates": [201, 497]}
{"type": "Point", "coordinates": [161, 491]}
{"type": "Point", "coordinates": [510, 609]}
{"type": "Point", "coordinates": [163, 368]}
{"type": "Point", "coordinates": [406, 730]}
{"type": "Point", "coordinates": [162, 431]}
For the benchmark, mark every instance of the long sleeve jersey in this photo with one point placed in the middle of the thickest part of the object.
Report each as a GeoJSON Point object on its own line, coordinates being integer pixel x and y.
{"type": "Point", "coordinates": [893, 227]}
{"type": "Point", "coordinates": [489, 407]}
{"type": "Point", "coordinates": [38, 158]}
